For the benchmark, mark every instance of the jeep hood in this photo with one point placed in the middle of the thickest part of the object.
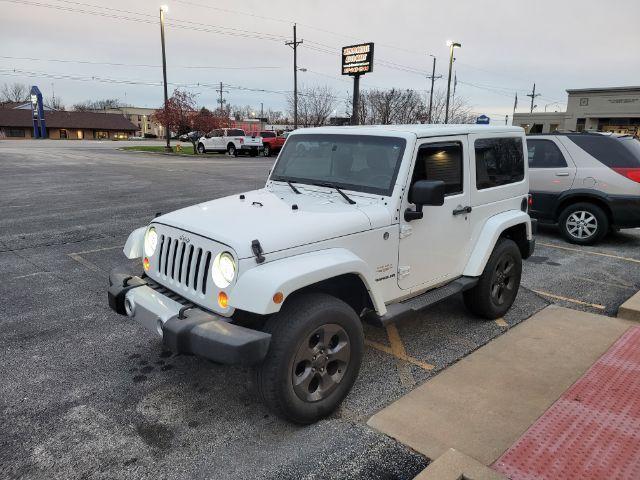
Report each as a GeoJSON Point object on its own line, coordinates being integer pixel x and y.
{"type": "Point", "coordinates": [269, 216]}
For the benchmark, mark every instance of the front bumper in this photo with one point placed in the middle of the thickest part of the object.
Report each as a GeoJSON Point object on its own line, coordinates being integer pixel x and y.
{"type": "Point", "coordinates": [183, 329]}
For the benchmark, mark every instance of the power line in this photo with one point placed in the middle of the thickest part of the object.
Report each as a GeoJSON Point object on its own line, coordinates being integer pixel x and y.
{"type": "Point", "coordinates": [145, 65]}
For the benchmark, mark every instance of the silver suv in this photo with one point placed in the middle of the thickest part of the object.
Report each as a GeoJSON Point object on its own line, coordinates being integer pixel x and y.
{"type": "Point", "coordinates": [587, 183]}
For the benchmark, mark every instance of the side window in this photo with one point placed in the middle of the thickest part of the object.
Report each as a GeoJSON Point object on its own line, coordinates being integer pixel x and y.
{"type": "Point", "coordinates": [440, 161]}
{"type": "Point", "coordinates": [499, 161]}
{"type": "Point", "coordinates": [545, 154]}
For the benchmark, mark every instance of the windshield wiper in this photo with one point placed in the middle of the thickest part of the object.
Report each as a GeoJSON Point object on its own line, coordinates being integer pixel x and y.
{"type": "Point", "coordinates": [293, 187]}
{"type": "Point", "coordinates": [344, 195]}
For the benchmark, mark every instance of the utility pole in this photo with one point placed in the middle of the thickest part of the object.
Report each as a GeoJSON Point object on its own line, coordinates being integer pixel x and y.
{"type": "Point", "coordinates": [294, 44]}
{"type": "Point", "coordinates": [261, 110]}
{"type": "Point", "coordinates": [433, 79]}
{"type": "Point", "coordinates": [221, 91]}
{"type": "Point", "coordinates": [533, 96]}
{"type": "Point", "coordinates": [163, 10]}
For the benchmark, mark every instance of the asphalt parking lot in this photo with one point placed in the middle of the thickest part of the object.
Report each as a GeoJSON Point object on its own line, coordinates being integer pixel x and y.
{"type": "Point", "coordinates": [85, 393]}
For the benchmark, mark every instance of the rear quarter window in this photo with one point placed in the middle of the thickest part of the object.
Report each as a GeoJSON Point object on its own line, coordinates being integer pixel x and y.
{"type": "Point", "coordinates": [614, 152]}
{"type": "Point", "coordinates": [499, 161]}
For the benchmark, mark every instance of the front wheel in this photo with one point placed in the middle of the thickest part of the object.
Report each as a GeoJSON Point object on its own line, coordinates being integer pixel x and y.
{"type": "Point", "coordinates": [201, 149]}
{"type": "Point", "coordinates": [267, 151]}
{"type": "Point", "coordinates": [583, 223]}
{"type": "Point", "coordinates": [498, 285]}
{"type": "Point", "coordinates": [314, 357]}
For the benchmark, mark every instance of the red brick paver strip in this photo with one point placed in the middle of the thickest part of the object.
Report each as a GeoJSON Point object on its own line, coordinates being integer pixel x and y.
{"type": "Point", "coordinates": [593, 430]}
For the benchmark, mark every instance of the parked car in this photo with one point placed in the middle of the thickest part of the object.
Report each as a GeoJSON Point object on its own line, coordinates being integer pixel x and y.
{"type": "Point", "coordinates": [587, 183]}
{"type": "Point", "coordinates": [353, 224]}
{"type": "Point", "coordinates": [230, 140]}
{"type": "Point", "coordinates": [272, 142]}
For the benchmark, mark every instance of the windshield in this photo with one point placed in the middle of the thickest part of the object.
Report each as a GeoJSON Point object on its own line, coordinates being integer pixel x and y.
{"type": "Point", "coordinates": [364, 163]}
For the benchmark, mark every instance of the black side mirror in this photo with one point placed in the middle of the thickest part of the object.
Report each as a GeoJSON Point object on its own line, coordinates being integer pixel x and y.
{"type": "Point", "coordinates": [424, 192]}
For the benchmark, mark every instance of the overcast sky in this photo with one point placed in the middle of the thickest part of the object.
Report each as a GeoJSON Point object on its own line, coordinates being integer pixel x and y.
{"type": "Point", "coordinates": [506, 47]}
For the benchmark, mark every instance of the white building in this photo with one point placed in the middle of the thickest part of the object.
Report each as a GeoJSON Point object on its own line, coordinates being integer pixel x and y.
{"type": "Point", "coordinates": [614, 109]}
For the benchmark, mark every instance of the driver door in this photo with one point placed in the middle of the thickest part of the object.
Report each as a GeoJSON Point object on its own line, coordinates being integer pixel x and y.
{"type": "Point", "coordinates": [435, 249]}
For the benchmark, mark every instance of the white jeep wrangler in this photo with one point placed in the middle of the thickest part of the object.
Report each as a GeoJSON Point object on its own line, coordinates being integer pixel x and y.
{"type": "Point", "coordinates": [353, 224]}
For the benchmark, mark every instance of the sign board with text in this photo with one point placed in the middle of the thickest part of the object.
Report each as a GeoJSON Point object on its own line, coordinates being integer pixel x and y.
{"type": "Point", "coordinates": [357, 59]}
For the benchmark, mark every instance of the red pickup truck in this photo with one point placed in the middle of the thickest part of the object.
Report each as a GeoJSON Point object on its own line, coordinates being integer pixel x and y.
{"type": "Point", "coordinates": [272, 143]}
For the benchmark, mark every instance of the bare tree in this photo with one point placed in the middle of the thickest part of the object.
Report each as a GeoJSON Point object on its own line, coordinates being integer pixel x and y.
{"type": "Point", "coordinates": [315, 105]}
{"type": "Point", "coordinates": [55, 103]}
{"type": "Point", "coordinates": [385, 107]}
{"type": "Point", "coordinates": [15, 92]}
{"type": "Point", "coordinates": [104, 104]}
{"type": "Point", "coordinates": [459, 109]}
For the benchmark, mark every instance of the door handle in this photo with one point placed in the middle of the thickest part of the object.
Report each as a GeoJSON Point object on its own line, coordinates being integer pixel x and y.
{"type": "Point", "coordinates": [562, 174]}
{"type": "Point", "coordinates": [462, 210]}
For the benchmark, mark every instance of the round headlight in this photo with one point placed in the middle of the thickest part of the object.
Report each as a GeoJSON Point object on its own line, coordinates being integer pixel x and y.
{"type": "Point", "coordinates": [223, 270]}
{"type": "Point", "coordinates": [150, 242]}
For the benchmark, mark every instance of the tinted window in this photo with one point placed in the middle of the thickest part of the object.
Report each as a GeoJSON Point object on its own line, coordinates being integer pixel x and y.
{"type": "Point", "coordinates": [499, 161]}
{"type": "Point", "coordinates": [545, 154]}
{"type": "Point", "coordinates": [235, 132]}
{"type": "Point", "coordinates": [614, 152]}
{"type": "Point", "coordinates": [267, 134]}
{"type": "Point", "coordinates": [354, 162]}
{"type": "Point", "coordinates": [440, 161]}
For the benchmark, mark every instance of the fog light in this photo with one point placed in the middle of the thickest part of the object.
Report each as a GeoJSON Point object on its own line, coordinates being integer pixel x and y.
{"type": "Point", "coordinates": [223, 300]}
{"type": "Point", "coordinates": [146, 264]}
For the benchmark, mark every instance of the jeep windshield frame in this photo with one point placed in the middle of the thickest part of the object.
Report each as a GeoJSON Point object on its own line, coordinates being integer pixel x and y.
{"type": "Point", "coordinates": [359, 163]}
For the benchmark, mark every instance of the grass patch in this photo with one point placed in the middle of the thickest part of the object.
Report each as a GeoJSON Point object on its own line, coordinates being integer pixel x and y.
{"type": "Point", "coordinates": [186, 149]}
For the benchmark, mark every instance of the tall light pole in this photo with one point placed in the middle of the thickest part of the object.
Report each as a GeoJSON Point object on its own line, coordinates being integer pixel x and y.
{"type": "Point", "coordinates": [164, 9]}
{"type": "Point", "coordinates": [452, 46]}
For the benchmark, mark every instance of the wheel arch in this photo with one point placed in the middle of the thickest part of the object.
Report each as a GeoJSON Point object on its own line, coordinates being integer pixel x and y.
{"type": "Point", "coordinates": [513, 224]}
{"type": "Point", "coordinates": [336, 271]}
{"type": "Point", "coordinates": [584, 196]}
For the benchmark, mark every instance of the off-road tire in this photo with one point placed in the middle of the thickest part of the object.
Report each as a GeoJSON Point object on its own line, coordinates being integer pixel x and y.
{"type": "Point", "coordinates": [201, 150]}
{"type": "Point", "coordinates": [482, 300]}
{"type": "Point", "coordinates": [594, 216]}
{"type": "Point", "coordinates": [291, 329]}
{"type": "Point", "coordinates": [232, 150]}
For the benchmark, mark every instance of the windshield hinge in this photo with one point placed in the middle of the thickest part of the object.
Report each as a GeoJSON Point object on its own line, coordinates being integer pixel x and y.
{"type": "Point", "coordinates": [257, 251]}
{"type": "Point", "coordinates": [403, 271]}
{"type": "Point", "coordinates": [405, 231]}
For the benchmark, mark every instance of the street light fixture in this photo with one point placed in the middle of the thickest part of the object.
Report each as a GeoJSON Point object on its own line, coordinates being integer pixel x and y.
{"type": "Point", "coordinates": [452, 45]}
{"type": "Point", "coordinates": [163, 10]}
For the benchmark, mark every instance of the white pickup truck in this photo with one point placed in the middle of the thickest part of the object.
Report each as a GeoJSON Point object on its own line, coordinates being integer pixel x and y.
{"type": "Point", "coordinates": [230, 140]}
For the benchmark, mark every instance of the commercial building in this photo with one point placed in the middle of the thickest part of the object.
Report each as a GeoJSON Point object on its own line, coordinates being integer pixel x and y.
{"type": "Point", "coordinates": [615, 109]}
{"type": "Point", "coordinates": [141, 118]}
{"type": "Point", "coordinates": [16, 121]}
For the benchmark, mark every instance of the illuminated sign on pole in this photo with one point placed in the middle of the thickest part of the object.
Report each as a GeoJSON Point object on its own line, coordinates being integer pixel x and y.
{"type": "Point", "coordinates": [357, 59]}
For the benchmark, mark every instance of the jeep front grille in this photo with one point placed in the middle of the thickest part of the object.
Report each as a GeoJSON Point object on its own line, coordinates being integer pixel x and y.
{"type": "Point", "coordinates": [186, 264]}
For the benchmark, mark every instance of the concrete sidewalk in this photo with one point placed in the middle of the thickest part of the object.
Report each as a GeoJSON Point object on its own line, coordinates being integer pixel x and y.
{"type": "Point", "coordinates": [481, 405]}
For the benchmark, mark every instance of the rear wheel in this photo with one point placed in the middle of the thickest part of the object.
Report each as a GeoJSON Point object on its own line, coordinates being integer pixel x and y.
{"type": "Point", "coordinates": [314, 357]}
{"type": "Point", "coordinates": [231, 150]}
{"type": "Point", "coordinates": [201, 149]}
{"type": "Point", "coordinates": [583, 223]}
{"type": "Point", "coordinates": [498, 285]}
